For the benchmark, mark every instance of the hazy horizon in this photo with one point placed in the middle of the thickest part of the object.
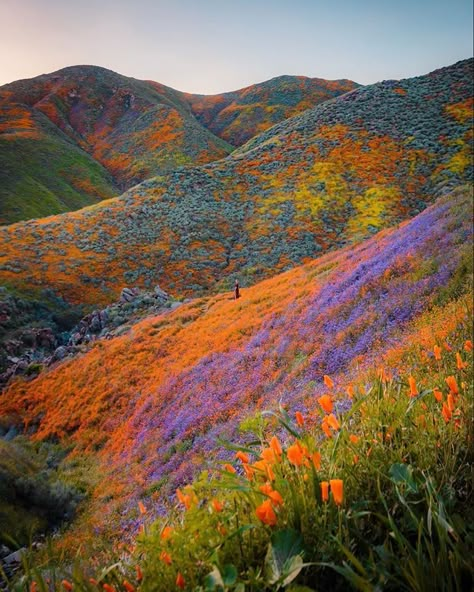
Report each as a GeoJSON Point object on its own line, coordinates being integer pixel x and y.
{"type": "Point", "coordinates": [213, 47]}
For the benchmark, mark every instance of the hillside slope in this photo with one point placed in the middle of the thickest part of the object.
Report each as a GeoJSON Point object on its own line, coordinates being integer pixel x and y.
{"type": "Point", "coordinates": [154, 400]}
{"type": "Point", "coordinates": [133, 129]}
{"type": "Point", "coordinates": [41, 171]}
{"type": "Point", "coordinates": [331, 176]}
{"type": "Point", "coordinates": [239, 115]}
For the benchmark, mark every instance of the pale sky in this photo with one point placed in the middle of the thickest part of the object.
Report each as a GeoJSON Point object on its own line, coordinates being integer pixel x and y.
{"type": "Point", "coordinates": [212, 46]}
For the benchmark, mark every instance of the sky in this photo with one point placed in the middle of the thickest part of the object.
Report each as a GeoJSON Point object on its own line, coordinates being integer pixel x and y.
{"type": "Point", "coordinates": [212, 46]}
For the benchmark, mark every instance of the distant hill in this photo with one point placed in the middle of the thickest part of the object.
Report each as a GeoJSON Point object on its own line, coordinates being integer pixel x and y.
{"type": "Point", "coordinates": [239, 115]}
{"type": "Point", "coordinates": [84, 133]}
{"type": "Point", "coordinates": [132, 129]}
{"type": "Point", "coordinates": [320, 180]}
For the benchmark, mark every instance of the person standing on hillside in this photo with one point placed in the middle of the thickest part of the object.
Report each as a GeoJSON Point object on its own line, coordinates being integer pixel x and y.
{"type": "Point", "coordinates": [236, 290]}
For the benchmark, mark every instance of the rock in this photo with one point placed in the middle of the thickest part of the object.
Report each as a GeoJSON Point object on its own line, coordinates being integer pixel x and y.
{"type": "Point", "coordinates": [14, 557]}
{"type": "Point", "coordinates": [95, 324]}
{"type": "Point", "coordinates": [129, 294]}
{"type": "Point", "coordinates": [161, 294]}
{"type": "Point", "coordinates": [59, 353]}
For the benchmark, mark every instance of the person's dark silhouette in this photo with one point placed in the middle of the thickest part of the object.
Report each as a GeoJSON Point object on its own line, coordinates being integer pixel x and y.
{"type": "Point", "coordinates": [236, 290]}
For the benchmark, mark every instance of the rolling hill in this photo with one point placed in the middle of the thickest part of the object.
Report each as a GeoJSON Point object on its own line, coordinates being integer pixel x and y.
{"type": "Point", "coordinates": [150, 404]}
{"type": "Point", "coordinates": [131, 129]}
{"type": "Point", "coordinates": [330, 176]}
{"type": "Point", "coordinates": [242, 114]}
{"type": "Point", "coordinates": [85, 133]}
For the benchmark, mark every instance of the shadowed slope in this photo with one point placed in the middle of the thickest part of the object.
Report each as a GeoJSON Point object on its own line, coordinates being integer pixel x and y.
{"type": "Point", "coordinates": [156, 399]}
{"type": "Point", "coordinates": [333, 175]}
{"type": "Point", "coordinates": [41, 171]}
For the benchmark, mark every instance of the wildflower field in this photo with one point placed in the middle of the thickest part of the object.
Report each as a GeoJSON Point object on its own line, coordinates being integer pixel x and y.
{"type": "Point", "coordinates": [316, 433]}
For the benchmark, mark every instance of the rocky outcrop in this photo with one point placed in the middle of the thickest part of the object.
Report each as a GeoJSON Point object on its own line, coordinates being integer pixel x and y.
{"type": "Point", "coordinates": [33, 349]}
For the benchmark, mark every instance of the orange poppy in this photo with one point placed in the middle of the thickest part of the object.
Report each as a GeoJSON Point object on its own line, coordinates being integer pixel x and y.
{"type": "Point", "coordinates": [459, 362]}
{"type": "Point", "coordinates": [266, 514]}
{"type": "Point", "coordinates": [328, 381]}
{"type": "Point", "coordinates": [326, 403]}
{"type": "Point", "coordinates": [437, 352]}
{"type": "Point", "coordinates": [165, 557]}
{"type": "Point", "coordinates": [468, 345]}
{"type": "Point", "coordinates": [180, 581]}
{"type": "Point", "coordinates": [128, 587]}
{"type": "Point", "coordinates": [217, 505]}
{"type": "Point", "coordinates": [446, 412]}
{"type": "Point", "coordinates": [268, 454]}
{"type": "Point", "coordinates": [450, 402]}
{"type": "Point", "coordinates": [324, 491]}
{"type": "Point", "coordinates": [276, 446]}
{"type": "Point", "coordinates": [437, 394]}
{"type": "Point", "coordinates": [242, 456]}
{"type": "Point", "coordinates": [295, 455]}
{"type": "Point", "coordinates": [299, 418]}
{"type": "Point", "coordinates": [248, 471]}
{"type": "Point", "coordinates": [316, 458]}
{"type": "Point", "coordinates": [67, 585]}
{"type": "Point", "coordinates": [350, 391]}
{"type": "Point", "coordinates": [139, 572]}
{"type": "Point", "coordinates": [326, 428]}
{"type": "Point", "coordinates": [413, 389]}
{"type": "Point", "coordinates": [337, 489]}
{"type": "Point", "coordinates": [453, 385]}
{"type": "Point", "coordinates": [354, 439]}
{"type": "Point", "coordinates": [333, 422]}
{"type": "Point", "coordinates": [142, 508]}
{"type": "Point", "coordinates": [229, 468]}
{"type": "Point", "coordinates": [166, 533]}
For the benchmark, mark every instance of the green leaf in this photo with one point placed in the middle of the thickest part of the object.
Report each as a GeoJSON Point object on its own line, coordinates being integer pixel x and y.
{"type": "Point", "coordinates": [283, 561]}
{"type": "Point", "coordinates": [401, 473]}
{"type": "Point", "coordinates": [229, 574]}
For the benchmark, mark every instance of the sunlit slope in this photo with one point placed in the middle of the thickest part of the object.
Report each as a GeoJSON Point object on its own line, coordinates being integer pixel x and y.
{"type": "Point", "coordinates": [154, 401]}
{"type": "Point", "coordinates": [331, 176]}
{"type": "Point", "coordinates": [239, 115]}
